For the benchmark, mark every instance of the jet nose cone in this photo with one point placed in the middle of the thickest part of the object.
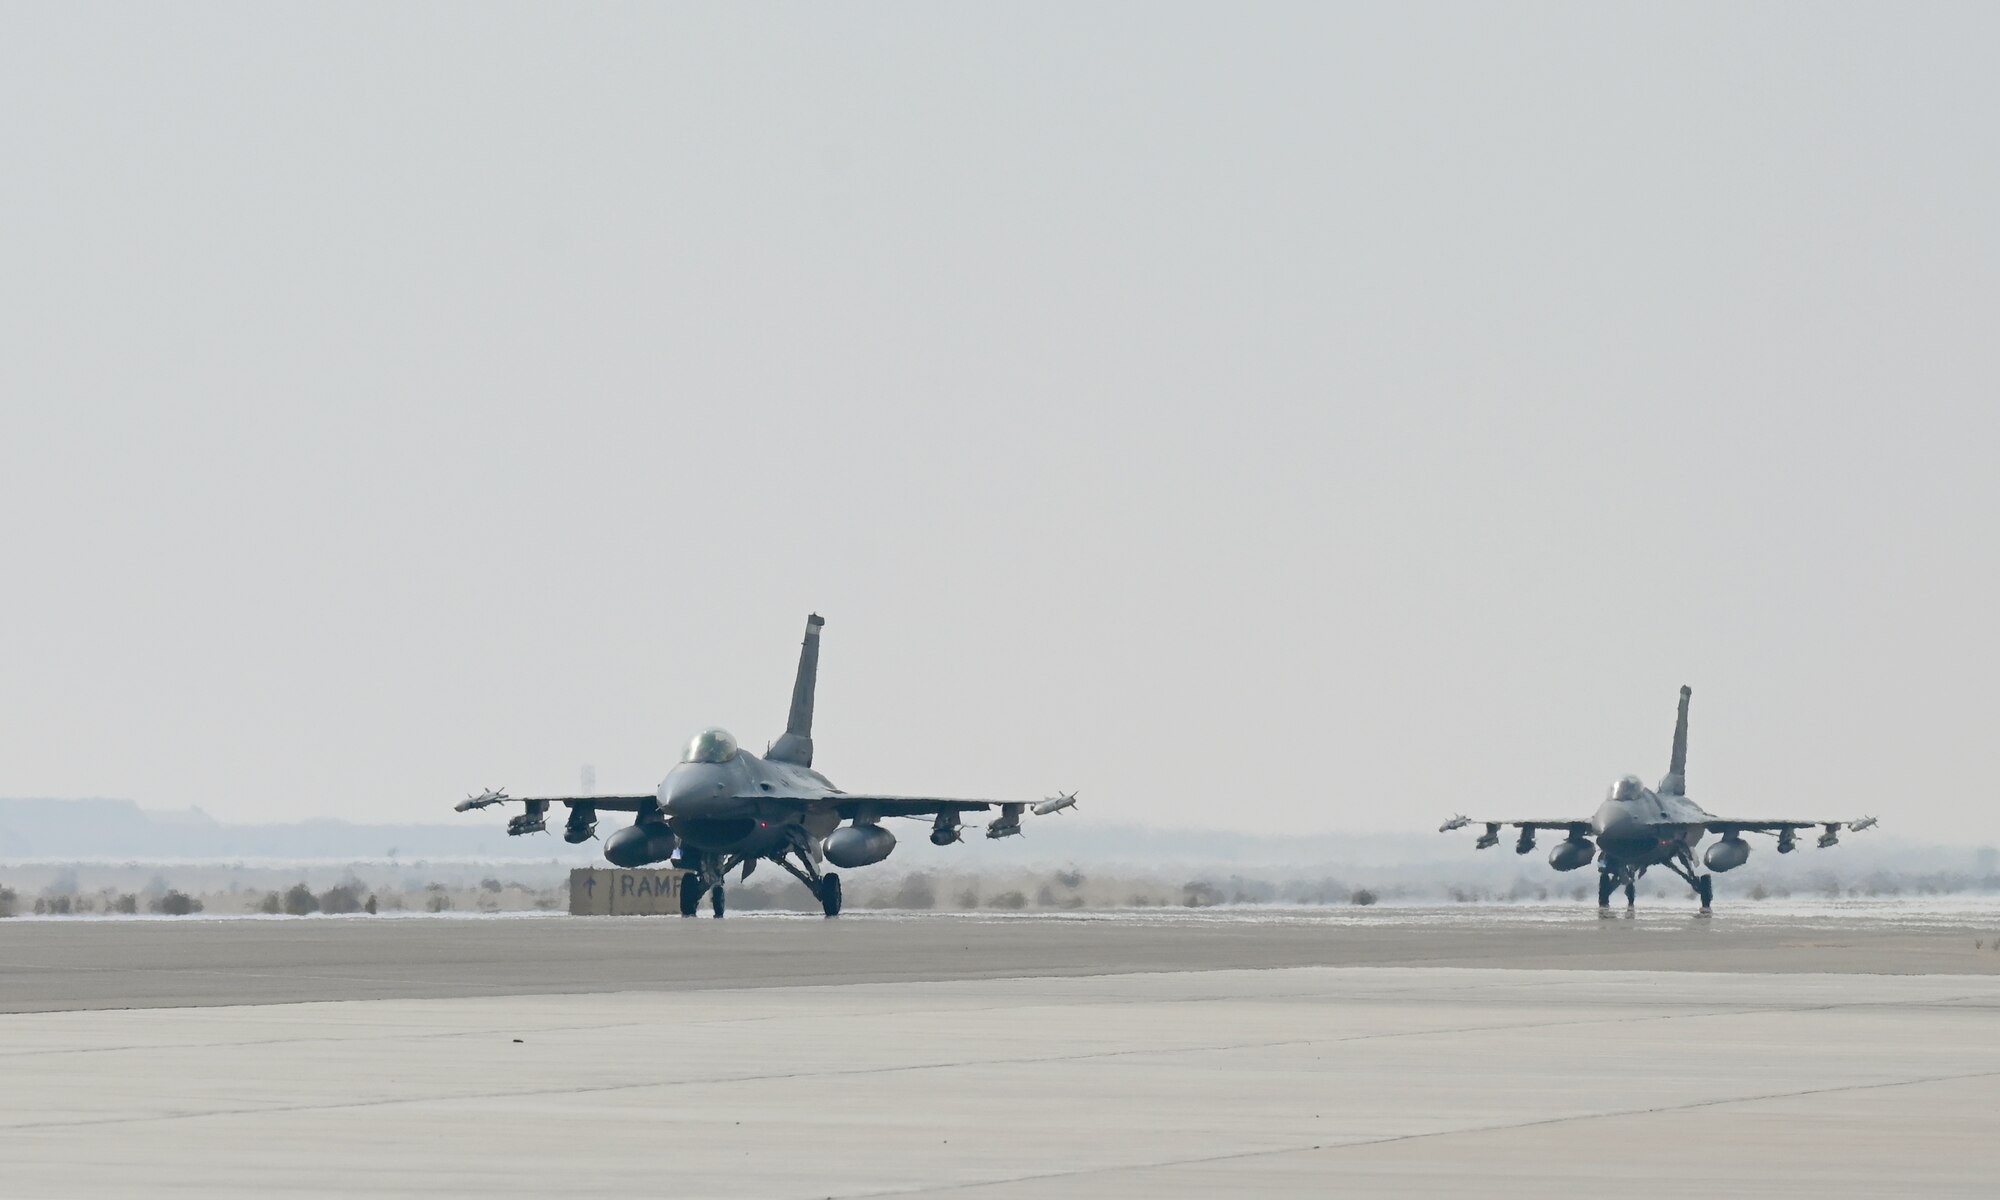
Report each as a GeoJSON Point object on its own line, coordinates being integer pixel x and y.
{"type": "Point", "coordinates": [1615, 821]}
{"type": "Point", "coordinates": [699, 792]}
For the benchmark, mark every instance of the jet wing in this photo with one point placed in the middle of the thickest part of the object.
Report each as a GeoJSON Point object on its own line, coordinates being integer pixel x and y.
{"type": "Point", "coordinates": [609, 803]}
{"type": "Point", "coordinates": [1779, 825]}
{"type": "Point", "coordinates": [850, 805]}
{"type": "Point", "coordinates": [1577, 827]}
{"type": "Point", "coordinates": [1461, 822]}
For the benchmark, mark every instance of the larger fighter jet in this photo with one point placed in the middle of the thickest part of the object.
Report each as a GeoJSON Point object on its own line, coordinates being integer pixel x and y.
{"type": "Point", "coordinates": [723, 807]}
{"type": "Point", "coordinates": [1637, 827]}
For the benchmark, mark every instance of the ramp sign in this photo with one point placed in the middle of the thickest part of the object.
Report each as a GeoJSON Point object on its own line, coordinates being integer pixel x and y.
{"type": "Point", "coordinates": [609, 892]}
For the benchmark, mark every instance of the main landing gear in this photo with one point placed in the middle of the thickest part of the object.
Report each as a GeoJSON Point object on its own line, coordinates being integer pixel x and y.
{"type": "Point", "coordinates": [825, 886]}
{"type": "Point", "coordinates": [1703, 885]}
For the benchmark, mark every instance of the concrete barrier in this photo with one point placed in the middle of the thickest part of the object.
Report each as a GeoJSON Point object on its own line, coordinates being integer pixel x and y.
{"type": "Point", "coordinates": [639, 892]}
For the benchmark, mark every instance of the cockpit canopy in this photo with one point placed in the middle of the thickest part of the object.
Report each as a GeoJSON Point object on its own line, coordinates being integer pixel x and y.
{"type": "Point", "coordinates": [710, 746]}
{"type": "Point", "coordinates": [1628, 788]}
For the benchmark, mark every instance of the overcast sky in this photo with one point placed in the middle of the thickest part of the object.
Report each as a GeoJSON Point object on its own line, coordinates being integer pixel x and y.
{"type": "Point", "coordinates": [1258, 417]}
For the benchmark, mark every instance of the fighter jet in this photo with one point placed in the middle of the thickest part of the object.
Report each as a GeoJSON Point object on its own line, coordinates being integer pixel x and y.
{"type": "Point", "coordinates": [1639, 827]}
{"type": "Point", "coordinates": [723, 807]}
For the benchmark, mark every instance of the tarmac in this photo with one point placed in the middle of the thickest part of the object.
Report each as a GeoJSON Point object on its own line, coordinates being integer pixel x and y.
{"type": "Point", "coordinates": [1170, 1055]}
{"type": "Point", "coordinates": [72, 963]}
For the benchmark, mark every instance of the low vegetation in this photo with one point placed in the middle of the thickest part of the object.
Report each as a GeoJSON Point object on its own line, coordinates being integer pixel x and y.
{"type": "Point", "coordinates": [365, 889]}
{"type": "Point", "coordinates": [340, 899]}
{"type": "Point", "coordinates": [174, 904]}
{"type": "Point", "coordinates": [299, 901]}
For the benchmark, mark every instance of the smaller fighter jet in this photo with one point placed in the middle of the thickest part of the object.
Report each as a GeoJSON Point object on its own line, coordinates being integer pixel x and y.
{"type": "Point", "coordinates": [1639, 827]}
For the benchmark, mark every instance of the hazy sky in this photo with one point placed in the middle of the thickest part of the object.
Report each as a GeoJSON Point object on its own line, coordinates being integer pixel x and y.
{"type": "Point", "coordinates": [1253, 416]}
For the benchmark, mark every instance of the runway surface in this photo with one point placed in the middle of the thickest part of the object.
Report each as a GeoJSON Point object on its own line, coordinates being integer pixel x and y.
{"type": "Point", "coordinates": [1163, 1055]}
{"type": "Point", "coordinates": [70, 963]}
{"type": "Point", "coordinates": [1292, 1082]}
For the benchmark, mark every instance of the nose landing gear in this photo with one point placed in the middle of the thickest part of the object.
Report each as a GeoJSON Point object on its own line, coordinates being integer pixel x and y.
{"type": "Point", "coordinates": [705, 880]}
{"type": "Point", "coordinates": [692, 890]}
{"type": "Point", "coordinates": [1609, 880]}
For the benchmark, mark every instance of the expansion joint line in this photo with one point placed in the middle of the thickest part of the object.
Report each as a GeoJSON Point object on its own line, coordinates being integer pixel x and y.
{"type": "Point", "coordinates": [1504, 1127]}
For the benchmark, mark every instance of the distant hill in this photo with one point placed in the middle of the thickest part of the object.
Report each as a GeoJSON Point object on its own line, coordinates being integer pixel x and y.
{"type": "Point", "coordinates": [101, 829]}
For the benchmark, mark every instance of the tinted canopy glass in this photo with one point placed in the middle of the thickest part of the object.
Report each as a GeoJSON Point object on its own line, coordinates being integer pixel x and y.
{"type": "Point", "coordinates": [710, 746]}
{"type": "Point", "coordinates": [1628, 788]}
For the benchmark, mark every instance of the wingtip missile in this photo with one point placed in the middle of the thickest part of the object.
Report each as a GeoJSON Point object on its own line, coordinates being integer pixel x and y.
{"type": "Point", "coordinates": [1056, 803]}
{"type": "Point", "coordinates": [1458, 821]}
{"type": "Point", "coordinates": [489, 796]}
{"type": "Point", "coordinates": [1863, 823]}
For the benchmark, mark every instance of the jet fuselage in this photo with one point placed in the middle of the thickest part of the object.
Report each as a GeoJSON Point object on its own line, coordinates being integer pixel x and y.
{"type": "Point", "coordinates": [706, 804]}
{"type": "Point", "coordinates": [1642, 827]}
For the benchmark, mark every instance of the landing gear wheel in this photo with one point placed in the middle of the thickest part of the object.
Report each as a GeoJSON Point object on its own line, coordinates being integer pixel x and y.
{"type": "Point", "coordinates": [1631, 894]}
{"type": "Point", "coordinates": [715, 899]}
{"type": "Point", "coordinates": [691, 891]}
{"type": "Point", "coordinates": [829, 894]}
{"type": "Point", "coordinates": [1605, 886]}
{"type": "Point", "coordinates": [1704, 886]}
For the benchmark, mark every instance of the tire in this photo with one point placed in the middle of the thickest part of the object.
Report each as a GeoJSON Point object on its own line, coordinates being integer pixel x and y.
{"type": "Point", "coordinates": [715, 899]}
{"type": "Point", "coordinates": [1705, 888]}
{"type": "Point", "coordinates": [829, 894]}
{"type": "Point", "coordinates": [691, 890]}
{"type": "Point", "coordinates": [1605, 886]}
{"type": "Point", "coordinates": [1631, 894]}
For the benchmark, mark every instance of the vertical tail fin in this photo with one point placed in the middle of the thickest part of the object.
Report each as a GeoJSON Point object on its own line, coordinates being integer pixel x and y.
{"type": "Point", "coordinates": [797, 744]}
{"type": "Point", "coordinates": [1676, 780]}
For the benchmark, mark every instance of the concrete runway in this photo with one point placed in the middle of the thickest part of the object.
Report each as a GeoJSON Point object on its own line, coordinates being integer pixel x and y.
{"type": "Point", "coordinates": [928, 1056]}
{"type": "Point", "coordinates": [84, 963]}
